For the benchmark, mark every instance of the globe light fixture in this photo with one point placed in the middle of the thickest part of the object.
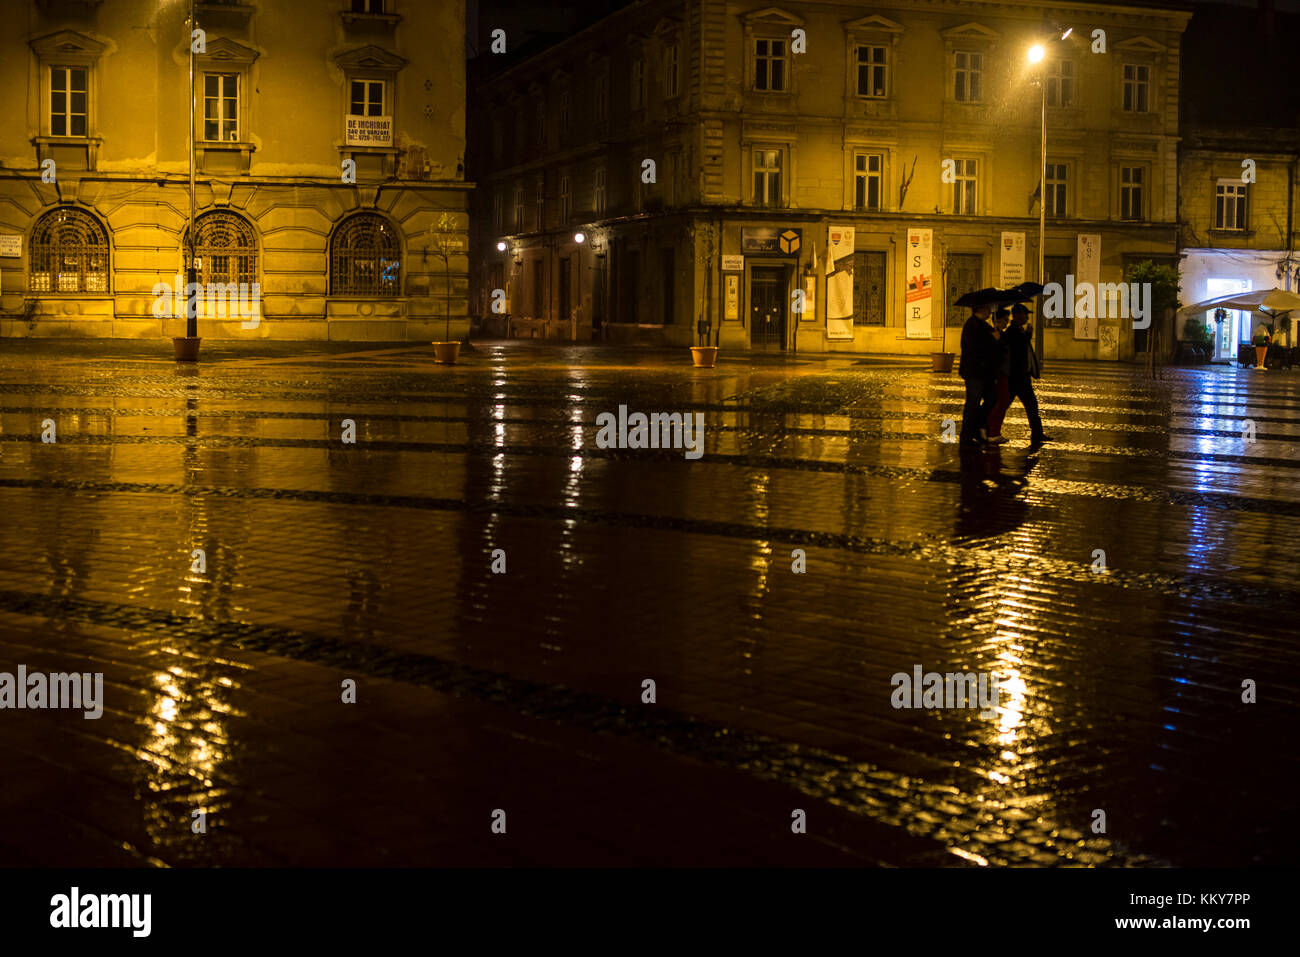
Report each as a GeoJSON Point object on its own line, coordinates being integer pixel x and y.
{"type": "Point", "coordinates": [579, 237]}
{"type": "Point", "coordinates": [501, 246]}
{"type": "Point", "coordinates": [1036, 53]}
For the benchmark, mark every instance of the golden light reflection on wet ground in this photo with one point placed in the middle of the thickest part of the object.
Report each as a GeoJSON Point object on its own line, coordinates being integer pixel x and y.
{"type": "Point", "coordinates": [1118, 686]}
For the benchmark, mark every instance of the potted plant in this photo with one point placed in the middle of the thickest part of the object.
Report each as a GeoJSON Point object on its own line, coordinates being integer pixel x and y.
{"type": "Point", "coordinates": [705, 356]}
{"type": "Point", "coordinates": [1261, 343]}
{"type": "Point", "coordinates": [942, 360]}
{"type": "Point", "coordinates": [445, 241]}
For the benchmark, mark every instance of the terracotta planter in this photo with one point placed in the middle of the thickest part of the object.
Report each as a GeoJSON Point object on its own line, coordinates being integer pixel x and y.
{"type": "Point", "coordinates": [704, 356]}
{"type": "Point", "coordinates": [1261, 352]}
{"type": "Point", "coordinates": [446, 352]}
{"type": "Point", "coordinates": [187, 348]}
{"type": "Point", "coordinates": [942, 361]}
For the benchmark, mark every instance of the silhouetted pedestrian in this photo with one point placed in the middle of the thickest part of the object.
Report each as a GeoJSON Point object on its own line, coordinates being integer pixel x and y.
{"type": "Point", "coordinates": [976, 368]}
{"type": "Point", "coordinates": [1025, 368]}
{"type": "Point", "coordinates": [1001, 367]}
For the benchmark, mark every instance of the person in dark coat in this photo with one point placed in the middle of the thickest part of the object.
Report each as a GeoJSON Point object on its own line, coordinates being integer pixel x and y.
{"type": "Point", "coordinates": [1023, 369]}
{"type": "Point", "coordinates": [976, 367]}
{"type": "Point", "coordinates": [1001, 391]}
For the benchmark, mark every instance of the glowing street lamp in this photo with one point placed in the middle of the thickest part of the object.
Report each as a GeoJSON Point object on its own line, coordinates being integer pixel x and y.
{"type": "Point", "coordinates": [579, 238]}
{"type": "Point", "coordinates": [501, 246]}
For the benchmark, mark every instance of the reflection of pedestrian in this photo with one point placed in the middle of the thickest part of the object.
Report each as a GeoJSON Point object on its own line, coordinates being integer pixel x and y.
{"type": "Point", "coordinates": [1025, 369]}
{"type": "Point", "coordinates": [975, 368]}
{"type": "Point", "coordinates": [1001, 373]}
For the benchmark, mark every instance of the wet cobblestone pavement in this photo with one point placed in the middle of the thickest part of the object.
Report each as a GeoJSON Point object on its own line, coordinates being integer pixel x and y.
{"type": "Point", "coordinates": [522, 691]}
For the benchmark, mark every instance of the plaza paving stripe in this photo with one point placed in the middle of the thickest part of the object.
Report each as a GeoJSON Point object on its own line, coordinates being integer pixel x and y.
{"type": "Point", "coordinates": [1204, 587]}
{"type": "Point", "coordinates": [909, 802]}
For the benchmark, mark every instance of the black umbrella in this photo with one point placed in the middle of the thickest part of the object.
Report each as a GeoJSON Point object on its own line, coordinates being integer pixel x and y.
{"type": "Point", "coordinates": [981, 297]}
{"type": "Point", "coordinates": [1023, 292]}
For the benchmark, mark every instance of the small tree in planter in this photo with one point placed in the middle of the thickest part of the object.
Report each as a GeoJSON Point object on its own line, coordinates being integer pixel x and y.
{"type": "Point", "coordinates": [1164, 300]}
{"type": "Point", "coordinates": [445, 240]}
{"type": "Point", "coordinates": [706, 354]}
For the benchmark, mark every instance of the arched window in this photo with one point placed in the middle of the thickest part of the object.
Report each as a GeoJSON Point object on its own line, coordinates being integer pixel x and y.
{"type": "Point", "coordinates": [69, 253]}
{"type": "Point", "coordinates": [365, 257]}
{"type": "Point", "coordinates": [225, 247]}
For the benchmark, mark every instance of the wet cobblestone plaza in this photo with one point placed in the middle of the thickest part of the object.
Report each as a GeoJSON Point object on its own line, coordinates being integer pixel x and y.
{"type": "Point", "coordinates": [523, 691]}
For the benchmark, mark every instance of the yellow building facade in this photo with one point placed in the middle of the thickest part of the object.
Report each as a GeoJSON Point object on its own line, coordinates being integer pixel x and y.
{"type": "Point", "coordinates": [775, 131]}
{"type": "Point", "coordinates": [329, 144]}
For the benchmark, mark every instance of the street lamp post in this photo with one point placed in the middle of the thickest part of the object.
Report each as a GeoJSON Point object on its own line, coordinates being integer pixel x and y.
{"type": "Point", "coordinates": [191, 274]}
{"type": "Point", "coordinates": [579, 238]}
{"type": "Point", "coordinates": [1038, 55]}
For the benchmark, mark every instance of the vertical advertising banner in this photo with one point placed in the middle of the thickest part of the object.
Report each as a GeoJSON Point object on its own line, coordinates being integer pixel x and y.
{"type": "Point", "coordinates": [920, 288]}
{"type": "Point", "coordinates": [839, 282]}
{"type": "Point", "coordinates": [732, 308]}
{"type": "Point", "coordinates": [1013, 260]}
{"type": "Point", "coordinates": [1087, 275]}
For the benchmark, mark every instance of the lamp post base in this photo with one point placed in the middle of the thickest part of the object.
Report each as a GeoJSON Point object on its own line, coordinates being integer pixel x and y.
{"type": "Point", "coordinates": [187, 348]}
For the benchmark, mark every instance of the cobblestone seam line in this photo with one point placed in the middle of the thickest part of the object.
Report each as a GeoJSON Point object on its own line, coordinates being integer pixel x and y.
{"type": "Point", "coordinates": [906, 802]}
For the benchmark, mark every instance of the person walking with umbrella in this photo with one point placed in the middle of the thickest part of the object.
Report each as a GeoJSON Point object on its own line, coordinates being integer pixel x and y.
{"type": "Point", "coordinates": [976, 367]}
{"type": "Point", "coordinates": [1024, 369]}
{"type": "Point", "coordinates": [1001, 368]}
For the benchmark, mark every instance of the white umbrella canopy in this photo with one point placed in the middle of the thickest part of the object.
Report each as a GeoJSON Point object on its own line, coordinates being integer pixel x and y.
{"type": "Point", "coordinates": [1269, 301]}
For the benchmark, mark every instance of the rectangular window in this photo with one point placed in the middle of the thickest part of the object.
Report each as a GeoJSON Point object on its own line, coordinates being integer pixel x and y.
{"type": "Point", "coordinates": [873, 72]}
{"type": "Point", "coordinates": [767, 177]}
{"type": "Point", "coordinates": [600, 189]}
{"type": "Point", "coordinates": [1131, 179]}
{"type": "Point", "coordinates": [867, 180]}
{"type": "Point", "coordinates": [566, 204]}
{"type": "Point", "coordinates": [1060, 83]}
{"type": "Point", "coordinates": [1056, 183]}
{"type": "Point", "coordinates": [498, 212]}
{"type": "Point", "coordinates": [964, 186]}
{"type": "Point", "coordinates": [564, 112]}
{"type": "Point", "coordinates": [365, 6]}
{"type": "Point", "coordinates": [1230, 205]}
{"type": "Point", "coordinates": [963, 273]}
{"type": "Point", "coordinates": [67, 101]}
{"type": "Point", "coordinates": [769, 65]}
{"type": "Point", "coordinates": [602, 98]}
{"type": "Point", "coordinates": [367, 98]}
{"type": "Point", "coordinates": [519, 209]}
{"type": "Point", "coordinates": [638, 84]}
{"type": "Point", "coordinates": [869, 289]}
{"type": "Point", "coordinates": [1137, 88]}
{"type": "Point", "coordinates": [670, 70]}
{"type": "Point", "coordinates": [221, 107]}
{"type": "Point", "coordinates": [541, 203]}
{"type": "Point", "coordinates": [540, 115]}
{"type": "Point", "coordinates": [968, 75]}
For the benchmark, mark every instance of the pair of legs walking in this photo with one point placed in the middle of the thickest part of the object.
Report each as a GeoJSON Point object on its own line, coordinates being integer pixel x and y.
{"type": "Point", "coordinates": [987, 403]}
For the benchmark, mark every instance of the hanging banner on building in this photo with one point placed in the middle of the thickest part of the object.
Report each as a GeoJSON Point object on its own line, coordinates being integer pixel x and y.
{"type": "Point", "coordinates": [1087, 275]}
{"type": "Point", "coordinates": [731, 309]}
{"type": "Point", "coordinates": [369, 130]}
{"type": "Point", "coordinates": [839, 282]}
{"type": "Point", "coordinates": [1013, 260]}
{"type": "Point", "coordinates": [920, 289]}
{"type": "Point", "coordinates": [809, 299]}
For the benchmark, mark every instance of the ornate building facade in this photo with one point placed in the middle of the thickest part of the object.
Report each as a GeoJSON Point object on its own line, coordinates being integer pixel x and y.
{"type": "Point", "coordinates": [329, 143]}
{"type": "Point", "coordinates": [711, 153]}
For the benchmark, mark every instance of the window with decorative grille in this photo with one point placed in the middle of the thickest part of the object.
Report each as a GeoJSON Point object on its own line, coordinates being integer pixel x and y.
{"type": "Point", "coordinates": [69, 253]}
{"type": "Point", "coordinates": [964, 271]}
{"type": "Point", "coordinates": [365, 257]}
{"type": "Point", "coordinates": [225, 247]}
{"type": "Point", "coordinates": [869, 289]}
